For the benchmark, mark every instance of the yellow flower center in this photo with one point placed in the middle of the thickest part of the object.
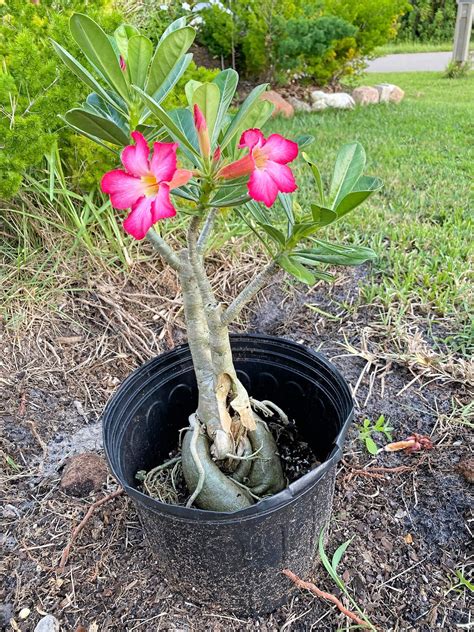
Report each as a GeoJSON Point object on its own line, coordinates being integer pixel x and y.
{"type": "Point", "coordinates": [259, 158]}
{"type": "Point", "coordinates": [151, 185]}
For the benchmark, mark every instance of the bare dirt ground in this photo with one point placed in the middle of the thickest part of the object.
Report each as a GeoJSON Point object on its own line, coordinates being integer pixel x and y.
{"type": "Point", "coordinates": [410, 529]}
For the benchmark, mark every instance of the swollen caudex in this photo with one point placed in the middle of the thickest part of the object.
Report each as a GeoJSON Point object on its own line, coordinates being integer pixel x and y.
{"type": "Point", "coordinates": [258, 473]}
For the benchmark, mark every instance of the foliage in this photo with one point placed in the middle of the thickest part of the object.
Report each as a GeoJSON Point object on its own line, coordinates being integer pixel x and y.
{"type": "Point", "coordinates": [217, 30]}
{"type": "Point", "coordinates": [429, 21]}
{"type": "Point", "coordinates": [367, 429]}
{"type": "Point", "coordinates": [376, 20]}
{"type": "Point", "coordinates": [457, 69]}
{"type": "Point", "coordinates": [34, 90]}
{"type": "Point", "coordinates": [320, 48]}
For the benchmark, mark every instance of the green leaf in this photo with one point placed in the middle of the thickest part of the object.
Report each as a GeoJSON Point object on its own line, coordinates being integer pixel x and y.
{"type": "Point", "coordinates": [257, 117]}
{"type": "Point", "coordinates": [274, 233]}
{"type": "Point", "coordinates": [296, 269]}
{"type": "Point", "coordinates": [226, 81]}
{"type": "Point", "coordinates": [287, 203]}
{"type": "Point", "coordinates": [464, 582]}
{"type": "Point", "coordinates": [97, 126]}
{"type": "Point", "coordinates": [172, 79]}
{"type": "Point", "coordinates": [96, 46]}
{"type": "Point", "coordinates": [172, 128]}
{"type": "Point", "coordinates": [103, 108]}
{"type": "Point", "coordinates": [174, 26]}
{"type": "Point", "coordinates": [82, 73]}
{"type": "Point", "coordinates": [239, 122]}
{"type": "Point", "coordinates": [121, 35]}
{"type": "Point", "coordinates": [189, 89]}
{"type": "Point", "coordinates": [326, 563]}
{"type": "Point", "coordinates": [350, 163]}
{"type": "Point", "coordinates": [371, 446]}
{"type": "Point", "coordinates": [317, 177]}
{"type": "Point", "coordinates": [334, 254]}
{"type": "Point", "coordinates": [140, 50]}
{"type": "Point", "coordinates": [305, 140]}
{"type": "Point", "coordinates": [207, 97]}
{"type": "Point", "coordinates": [168, 53]}
{"type": "Point", "coordinates": [338, 553]}
{"type": "Point", "coordinates": [231, 196]}
{"type": "Point", "coordinates": [356, 197]}
{"type": "Point", "coordinates": [322, 216]}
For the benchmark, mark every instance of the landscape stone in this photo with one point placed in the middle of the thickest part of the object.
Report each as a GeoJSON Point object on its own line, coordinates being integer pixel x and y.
{"type": "Point", "coordinates": [339, 100]}
{"type": "Point", "coordinates": [282, 106]}
{"type": "Point", "coordinates": [299, 105]}
{"type": "Point", "coordinates": [365, 95]}
{"type": "Point", "coordinates": [389, 93]}
{"type": "Point", "coordinates": [47, 624]}
{"type": "Point", "coordinates": [83, 474]}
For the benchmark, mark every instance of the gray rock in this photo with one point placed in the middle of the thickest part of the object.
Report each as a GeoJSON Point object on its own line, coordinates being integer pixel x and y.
{"type": "Point", "coordinates": [6, 613]}
{"type": "Point", "coordinates": [47, 624]}
{"type": "Point", "coordinates": [318, 95]}
{"type": "Point", "coordinates": [318, 106]}
{"type": "Point", "coordinates": [365, 95]}
{"type": "Point", "coordinates": [389, 93]}
{"type": "Point", "coordinates": [299, 105]}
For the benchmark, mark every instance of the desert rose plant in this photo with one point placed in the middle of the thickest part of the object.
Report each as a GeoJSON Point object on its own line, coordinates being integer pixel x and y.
{"type": "Point", "coordinates": [196, 161]}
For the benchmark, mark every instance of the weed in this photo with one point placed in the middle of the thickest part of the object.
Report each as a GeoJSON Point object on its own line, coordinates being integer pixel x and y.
{"type": "Point", "coordinates": [367, 429]}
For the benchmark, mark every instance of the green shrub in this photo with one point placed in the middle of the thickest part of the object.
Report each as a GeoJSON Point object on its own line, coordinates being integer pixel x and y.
{"type": "Point", "coordinates": [35, 88]}
{"type": "Point", "coordinates": [429, 21]}
{"type": "Point", "coordinates": [319, 48]}
{"type": "Point", "coordinates": [217, 31]}
{"type": "Point", "coordinates": [377, 21]}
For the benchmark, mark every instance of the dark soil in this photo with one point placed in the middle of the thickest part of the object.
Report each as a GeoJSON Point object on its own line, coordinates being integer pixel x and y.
{"type": "Point", "coordinates": [410, 529]}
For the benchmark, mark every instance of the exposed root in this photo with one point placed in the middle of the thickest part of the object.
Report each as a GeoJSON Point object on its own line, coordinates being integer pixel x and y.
{"type": "Point", "coordinates": [196, 429]}
{"type": "Point", "coordinates": [268, 409]}
{"type": "Point", "coordinates": [160, 481]}
{"type": "Point", "coordinates": [325, 595]}
{"type": "Point", "coordinates": [67, 549]}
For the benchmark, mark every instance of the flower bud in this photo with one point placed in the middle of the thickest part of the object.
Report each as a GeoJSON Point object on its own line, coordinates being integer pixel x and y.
{"type": "Point", "coordinates": [202, 132]}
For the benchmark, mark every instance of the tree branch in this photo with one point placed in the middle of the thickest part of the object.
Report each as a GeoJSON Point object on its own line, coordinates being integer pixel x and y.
{"type": "Point", "coordinates": [160, 245]}
{"type": "Point", "coordinates": [249, 292]}
{"type": "Point", "coordinates": [206, 230]}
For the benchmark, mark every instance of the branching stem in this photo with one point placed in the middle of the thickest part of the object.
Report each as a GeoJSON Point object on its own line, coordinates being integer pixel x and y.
{"type": "Point", "coordinates": [249, 292]}
{"type": "Point", "coordinates": [160, 245]}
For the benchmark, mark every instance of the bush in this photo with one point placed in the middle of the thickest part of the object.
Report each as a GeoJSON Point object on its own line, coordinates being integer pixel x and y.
{"type": "Point", "coordinates": [35, 88]}
{"type": "Point", "coordinates": [429, 21]}
{"type": "Point", "coordinates": [320, 48]}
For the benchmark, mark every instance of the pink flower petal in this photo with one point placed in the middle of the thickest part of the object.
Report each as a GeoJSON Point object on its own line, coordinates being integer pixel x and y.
{"type": "Point", "coordinates": [162, 207]}
{"type": "Point", "coordinates": [280, 149]}
{"type": "Point", "coordinates": [282, 176]}
{"type": "Point", "coordinates": [163, 161]}
{"type": "Point", "coordinates": [124, 189]}
{"type": "Point", "coordinates": [181, 176]}
{"type": "Point", "coordinates": [250, 138]}
{"type": "Point", "coordinates": [135, 157]}
{"type": "Point", "coordinates": [199, 120]}
{"type": "Point", "coordinates": [140, 219]}
{"type": "Point", "coordinates": [262, 187]}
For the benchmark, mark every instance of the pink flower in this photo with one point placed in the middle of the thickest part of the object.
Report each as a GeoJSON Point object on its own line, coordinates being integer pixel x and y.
{"type": "Point", "coordinates": [123, 65]}
{"type": "Point", "coordinates": [266, 164]}
{"type": "Point", "coordinates": [145, 185]}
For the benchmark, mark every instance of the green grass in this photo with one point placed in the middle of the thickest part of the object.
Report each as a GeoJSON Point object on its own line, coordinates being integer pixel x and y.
{"type": "Point", "coordinates": [420, 225]}
{"type": "Point", "coordinates": [395, 48]}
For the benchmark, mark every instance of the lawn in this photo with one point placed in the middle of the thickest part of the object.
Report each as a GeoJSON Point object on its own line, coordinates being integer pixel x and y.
{"type": "Point", "coordinates": [420, 225]}
{"type": "Point", "coordinates": [394, 48]}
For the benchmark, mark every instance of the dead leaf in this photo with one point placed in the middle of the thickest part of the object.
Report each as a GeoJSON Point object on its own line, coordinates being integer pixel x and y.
{"type": "Point", "coordinates": [408, 538]}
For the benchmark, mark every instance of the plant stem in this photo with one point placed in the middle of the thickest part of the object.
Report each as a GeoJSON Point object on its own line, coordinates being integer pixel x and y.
{"type": "Point", "coordinates": [248, 293]}
{"type": "Point", "coordinates": [206, 230]}
{"type": "Point", "coordinates": [160, 245]}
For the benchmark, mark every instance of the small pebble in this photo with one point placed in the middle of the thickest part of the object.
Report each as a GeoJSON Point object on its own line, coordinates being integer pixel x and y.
{"type": "Point", "coordinates": [24, 613]}
{"type": "Point", "coordinates": [47, 624]}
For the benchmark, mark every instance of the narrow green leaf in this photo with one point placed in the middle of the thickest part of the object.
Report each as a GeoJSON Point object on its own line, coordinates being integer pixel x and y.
{"type": "Point", "coordinates": [96, 46]}
{"type": "Point", "coordinates": [274, 233]}
{"type": "Point", "coordinates": [334, 254]}
{"type": "Point", "coordinates": [140, 50]}
{"type": "Point", "coordinates": [168, 53]}
{"type": "Point", "coordinates": [172, 128]}
{"type": "Point", "coordinates": [338, 553]}
{"type": "Point", "coordinates": [287, 204]}
{"type": "Point", "coordinates": [350, 163]}
{"type": "Point", "coordinates": [82, 73]}
{"type": "Point", "coordinates": [240, 119]}
{"type": "Point", "coordinates": [97, 126]}
{"type": "Point", "coordinates": [90, 137]}
{"type": "Point", "coordinates": [305, 140]}
{"type": "Point", "coordinates": [173, 77]}
{"type": "Point", "coordinates": [326, 563]}
{"type": "Point", "coordinates": [296, 269]}
{"type": "Point", "coordinates": [230, 197]}
{"type": "Point", "coordinates": [226, 81]}
{"type": "Point", "coordinates": [189, 89]}
{"type": "Point", "coordinates": [207, 97]}
{"type": "Point", "coordinates": [317, 177]}
{"type": "Point", "coordinates": [356, 197]}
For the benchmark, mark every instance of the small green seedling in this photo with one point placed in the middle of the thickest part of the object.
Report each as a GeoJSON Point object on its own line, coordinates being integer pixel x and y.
{"type": "Point", "coordinates": [367, 429]}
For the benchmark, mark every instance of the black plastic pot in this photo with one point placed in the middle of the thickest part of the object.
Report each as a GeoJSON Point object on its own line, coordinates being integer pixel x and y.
{"type": "Point", "coordinates": [232, 560]}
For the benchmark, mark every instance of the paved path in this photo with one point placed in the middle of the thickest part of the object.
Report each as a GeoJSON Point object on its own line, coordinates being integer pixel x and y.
{"type": "Point", "coordinates": [412, 62]}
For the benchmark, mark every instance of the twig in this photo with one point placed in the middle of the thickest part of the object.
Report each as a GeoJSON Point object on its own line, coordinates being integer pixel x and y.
{"type": "Point", "coordinates": [82, 524]}
{"type": "Point", "coordinates": [378, 472]}
{"type": "Point", "coordinates": [325, 595]}
{"type": "Point", "coordinates": [206, 230]}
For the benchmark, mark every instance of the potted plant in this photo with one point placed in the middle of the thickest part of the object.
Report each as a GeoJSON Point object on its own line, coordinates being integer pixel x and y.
{"type": "Point", "coordinates": [241, 521]}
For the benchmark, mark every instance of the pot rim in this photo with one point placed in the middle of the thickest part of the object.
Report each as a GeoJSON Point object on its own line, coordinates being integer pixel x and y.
{"type": "Point", "coordinates": [287, 496]}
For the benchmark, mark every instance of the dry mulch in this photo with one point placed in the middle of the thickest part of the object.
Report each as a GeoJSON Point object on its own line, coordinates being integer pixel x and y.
{"type": "Point", "coordinates": [410, 528]}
